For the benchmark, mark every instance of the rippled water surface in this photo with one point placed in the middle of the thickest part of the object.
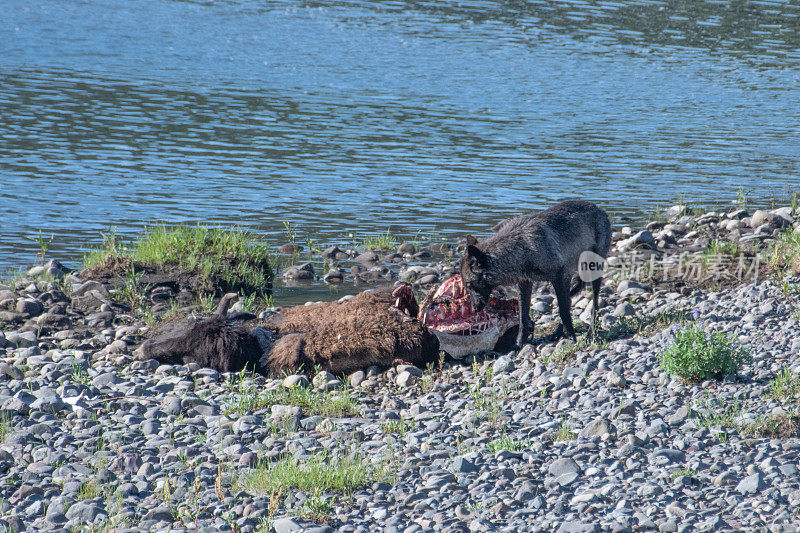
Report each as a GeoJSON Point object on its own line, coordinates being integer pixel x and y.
{"type": "Point", "coordinates": [366, 116]}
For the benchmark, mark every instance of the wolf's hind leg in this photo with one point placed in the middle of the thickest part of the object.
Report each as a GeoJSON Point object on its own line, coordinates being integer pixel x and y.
{"type": "Point", "coordinates": [596, 284]}
{"type": "Point", "coordinates": [525, 322]}
{"type": "Point", "coordinates": [561, 287]}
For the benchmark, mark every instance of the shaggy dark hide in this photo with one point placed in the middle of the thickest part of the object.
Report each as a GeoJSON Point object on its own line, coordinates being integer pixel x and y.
{"type": "Point", "coordinates": [339, 337]}
{"type": "Point", "coordinates": [343, 337]}
{"type": "Point", "coordinates": [211, 342]}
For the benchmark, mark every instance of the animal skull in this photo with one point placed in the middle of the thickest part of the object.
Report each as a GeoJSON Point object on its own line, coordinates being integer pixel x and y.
{"type": "Point", "coordinates": [447, 312]}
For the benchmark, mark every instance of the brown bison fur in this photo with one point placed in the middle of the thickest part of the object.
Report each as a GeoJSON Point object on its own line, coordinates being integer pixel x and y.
{"type": "Point", "coordinates": [210, 342]}
{"type": "Point", "coordinates": [339, 337]}
{"type": "Point", "coordinates": [342, 337]}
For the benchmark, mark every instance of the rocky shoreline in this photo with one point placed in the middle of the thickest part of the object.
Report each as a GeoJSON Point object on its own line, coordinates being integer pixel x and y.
{"type": "Point", "coordinates": [565, 437]}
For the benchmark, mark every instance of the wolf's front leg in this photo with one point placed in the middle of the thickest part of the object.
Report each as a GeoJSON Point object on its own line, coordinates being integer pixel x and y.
{"type": "Point", "coordinates": [525, 322]}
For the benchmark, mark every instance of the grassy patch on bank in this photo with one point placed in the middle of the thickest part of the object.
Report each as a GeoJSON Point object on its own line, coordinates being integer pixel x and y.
{"type": "Point", "coordinates": [218, 259]}
{"type": "Point", "coordinates": [317, 473]}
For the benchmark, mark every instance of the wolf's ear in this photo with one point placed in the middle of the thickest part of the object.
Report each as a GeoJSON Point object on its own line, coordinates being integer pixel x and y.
{"type": "Point", "coordinates": [471, 240]}
{"type": "Point", "coordinates": [476, 256]}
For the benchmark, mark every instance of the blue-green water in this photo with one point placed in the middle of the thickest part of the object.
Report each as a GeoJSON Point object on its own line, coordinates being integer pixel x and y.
{"type": "Point", "coordinates": [366, 116]}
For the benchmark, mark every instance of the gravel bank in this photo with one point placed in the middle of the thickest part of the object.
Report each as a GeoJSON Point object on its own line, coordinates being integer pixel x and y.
{"type": "Point", "coordinates": [553, 437]}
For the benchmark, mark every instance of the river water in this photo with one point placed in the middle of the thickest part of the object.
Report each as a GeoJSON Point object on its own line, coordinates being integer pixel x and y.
{"type": "Point", "coordinates": [362, 117]}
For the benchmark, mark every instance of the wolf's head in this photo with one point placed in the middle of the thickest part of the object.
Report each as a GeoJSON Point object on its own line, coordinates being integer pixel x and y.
{"type": "Point", "coordinates": [474, 273]}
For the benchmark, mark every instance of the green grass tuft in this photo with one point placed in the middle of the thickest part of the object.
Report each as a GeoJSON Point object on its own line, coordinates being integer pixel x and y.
{"type": "Point", "coordinates": [89, 490]}
{"type": "Point", "coordinates": [5, 426]}
{"type": "Point", "coordinates": [507, 443]}
{"type": "Point", "coordinates": [398, 427]}
{"type": "Point", "coordinates": [786, 252]}
{"type": "Point", "coordinates": [688, 472]}
{"type": "Point", "coordinates": [785, 426]}
{"type": "Point", "coordinates": [718, 414]}
{"type": "Point", "coordinates": [785, 386]}
{"type": "Point", "coordinates": [718, 248]}
{"type": "Point", "coordinates": [79, 374]}
{"type": "Point", "coordinates": [320, 472]}
{"type": "Point", "coordinates": [564, 432]}
{"type": "Point", "coordinates": [381, 241]}
{"type": "Point", "coordinates": [311, 401]}
{"type": "Point", "coordinates": [696, 354]}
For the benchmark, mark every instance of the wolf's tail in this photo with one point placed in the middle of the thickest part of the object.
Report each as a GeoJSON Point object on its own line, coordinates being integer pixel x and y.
{"type": "Point", "coordinates": [602, 237]}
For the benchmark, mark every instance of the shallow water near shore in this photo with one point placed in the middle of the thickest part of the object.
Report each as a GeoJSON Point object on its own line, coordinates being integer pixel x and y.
{"type": "Point", "coordinates": [356, 118]}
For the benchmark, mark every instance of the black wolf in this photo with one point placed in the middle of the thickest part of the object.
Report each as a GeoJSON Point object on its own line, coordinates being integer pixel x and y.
{"type": "Point", "coordinates": [541, 247]}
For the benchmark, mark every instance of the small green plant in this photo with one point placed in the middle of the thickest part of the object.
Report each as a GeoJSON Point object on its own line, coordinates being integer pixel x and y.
{"type": "Point", "coordinates": [183, 457]}
{"type": "Point", "coordinates": [507, 442]}
{"type": "Point", "coordinates": [487, 400]}
{"type": "Point", "coordinates": [719, 247]}
{"type": "Point", "coordinates": [130, 291]}
{"type": "Point", "coordinates": [316, 508]}
{"type": "Point", "coordinates": [5, 426]}
{"type": "Point", "coordinates": [44, 244]}
{"type": "Point", "coordinates": [174, 310]}
{"type": "Point", "coordinates": [101, 443]}
{"type": "Point", "coordinates": [564, 432]}
{"type": "Point", "coordinates": [379, 242]}
{"type": "Point", "coordinates": [688, 472]}
{"type": "Point", "coordinates": [291, 233]}
{"type": "Point", "coordinates": [248, 301]}
{"type": "Point", "coordinates": [566, 352]}
{"type": "Point", "coordinates": [422, 237]}
{"type": "Point", "coordinates": [206, 302]}
{"type": "Point", "coordinates": [313, 247]}
{"type": "Point", "coordinates": [694, 353]}
{"type": "Point", "coordinates": [89, 490]}
{"type": "Point", "coordinates": [711, 414]}
{"type": "Point", "coordinates": [398, 427]}
{"type": "Point", "coordinates": [112, 250]}
{"type": "Point", "coordinates": [784, 426]}
{"type": "Point", "coordinates": [741, 198]}
{"type": "Point", "coordinates": [785, 386]}
{"type": "Point", "coordinates": [658, 214]}
{"type": "Point", "coordinates": [789, 287]}
{"type": "Point", "coordinates": [79, 374]}
{"type": "Point", "coordinates": [785, 256]}
{"type": "Point", "coordinates": [166, 490]}
{"type": "Point", "coordinates": [477, 507]}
